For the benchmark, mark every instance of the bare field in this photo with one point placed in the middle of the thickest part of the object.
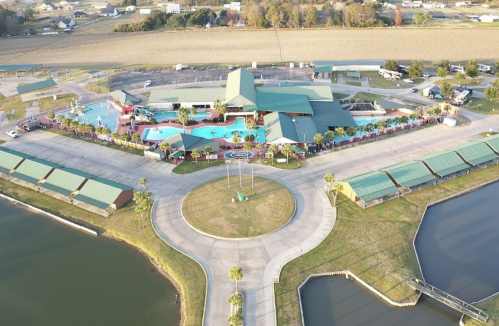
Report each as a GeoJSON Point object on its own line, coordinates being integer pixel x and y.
{"type": "Point", "coordinates": [244, 46]}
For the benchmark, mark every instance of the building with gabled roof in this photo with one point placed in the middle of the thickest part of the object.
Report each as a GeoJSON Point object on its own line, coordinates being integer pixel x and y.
{"type": "Point", "coordinates": [409, 174]}
{"type": "Point", "coordinates": [10, 159]}
{"type": "Point", "coordinates": [240, 89]}
{"type": "Point", "coordinates": [444, 163]}
{"type": "Point", "coordinates": [65, 181]}
{"type": "Point", "coordinates": [492, 141]}
{"type": "Point", "coordinates": [281, 128]}
{"type": "Point", "coordinates": [103, 194]}
{"type": "Point", "coordinates": [475, 153]}
{"type": "Point", "coordinates": [33, 171]}
{"type": "Point", "coordinates": [187, 143]}
{"type": "Point", "coordinates": [368, 186]}
{"type": "Point", "coordinates": [123, 97]}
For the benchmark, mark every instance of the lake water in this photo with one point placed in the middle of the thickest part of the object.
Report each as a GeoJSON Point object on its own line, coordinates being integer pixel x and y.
{"type": "Point", "coordinates": [51, 274]}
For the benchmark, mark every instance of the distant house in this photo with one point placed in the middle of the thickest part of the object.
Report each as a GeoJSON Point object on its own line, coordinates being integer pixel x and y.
{"type": "Point", "coordinates": [130, 8]}
{"type": "Point", "coordinates": [100, 5]}
{"type": "Point", "coordinates": [236, 6]}
{"type": "Point", "coordinates": [145, 11]}
{"type": "Point", "coordinates": [109, 11]}
{"type": "Point", "coordinates": [63, 22]}
{"type": "Point", "coordinates": [70, 7]}
{"type": "Point", "coordinates": [196, 8]}
{"type": "Point", "coordinates": [488, 18]}
{"type": "Point", "coordinates": [47, 6]}
{"type": "Point", "coordinates": [173, 8]}
{"type": "Point", "coordinates": [79, 14]}
{"type": "Point", "coordinates": [437, 14]}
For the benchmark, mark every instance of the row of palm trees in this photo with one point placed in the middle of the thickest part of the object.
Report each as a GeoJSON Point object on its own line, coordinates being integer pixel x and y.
{"type": "Point", "coordinates": [184, 114]}
{"type": "Point", "coordinates": [332, 186]}
{"type": "Point", "coordinates": [236, 299]}
{"type": "Point", "coordinates": [143, 201]}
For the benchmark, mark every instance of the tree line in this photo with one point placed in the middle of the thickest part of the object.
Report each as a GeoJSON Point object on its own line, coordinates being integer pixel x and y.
{"type": "Point", "coordinates": [14, 14]}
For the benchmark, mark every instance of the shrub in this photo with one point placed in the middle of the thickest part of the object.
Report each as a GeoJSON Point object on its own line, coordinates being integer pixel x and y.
{"type": "Point", "coordinates": [154, 121]}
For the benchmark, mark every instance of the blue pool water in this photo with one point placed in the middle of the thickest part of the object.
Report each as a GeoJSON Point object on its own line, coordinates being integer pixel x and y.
{"type": "Point", "coordinates": [207, 132]}
{"type": "Point", "coordinates": [364, 120]}
{"type": "Point", "coordinates": [109, 116]}
{"type": "Point", "coordinates": [159, 116]}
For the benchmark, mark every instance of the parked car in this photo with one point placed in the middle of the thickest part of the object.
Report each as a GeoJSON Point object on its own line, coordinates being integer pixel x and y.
{"type": "Point", "coordinates": [426, 74]}
{"type": "Point", "coordinates": [148, 82]}
{"type": "Point", "coordinates": [414, 90]}
{"type": "Point", "coordinates": [12, 133]}
{"type": "Point", "coordinates": [408, 81]}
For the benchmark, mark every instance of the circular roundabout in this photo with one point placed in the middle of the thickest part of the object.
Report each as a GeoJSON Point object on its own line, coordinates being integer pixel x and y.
{"type": "Point", "coordinates": [215, 210]}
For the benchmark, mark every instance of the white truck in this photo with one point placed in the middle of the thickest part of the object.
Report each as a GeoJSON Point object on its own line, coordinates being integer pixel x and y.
{"type": "Point", "coordinates": [389, 74]}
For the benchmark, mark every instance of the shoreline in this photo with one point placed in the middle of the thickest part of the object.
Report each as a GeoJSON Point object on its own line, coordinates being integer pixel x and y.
{"type": "Point", "coordinates": [106, 234]}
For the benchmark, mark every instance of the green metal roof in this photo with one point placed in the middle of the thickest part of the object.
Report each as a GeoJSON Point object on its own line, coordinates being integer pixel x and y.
{"type": "Point", "coordinates": [283, 103]}
{"type": "Point", "coordinates": [35, 86]}
{"type": "Point", "coordinates": [444, 163]}
{"type": "Point", "coordinates": [475, 153]}
{"type": "Point", "coordinates": [176, 154]}
{"type": "Point", "coordinates": [323, 68]}
{"type": "Point", "coordinates": [371, 185]}
{"type": "Point", "coordinates": [188, 143]}
{"type": "Point", "coordinates": [298, 149]}
{"type": "Point", "coordinates": [390, 105]}
{"type": "Point", "coordinates": [281, 128]}
{"type": "Point", "coordinates": [493, 142]}
{"type": "Point", "coordinates": [353, 74]}
{"type": "Point", "coordinates": [186, 95]}
{"type": "Point", "coordinates": [9, 159]}
{"type": "Point", "coordinates": [100, 192]}
{"type": "Point", "coordinates": [313, 93]}
{"type": "Point", "coordinates": [66, 180]}
{"type": "Point", "coordinates": [409, 174]}
{"type": "Point", "coordinates": [240, 89]}
{"type": "Point", "coordinates": [124, 97]}
{"type": "Point", "coordinates": [18, 67]}
{"type": "Point", "coordinates": [329, 114]}
{"type": "Point", "coordinates": [34, 170]}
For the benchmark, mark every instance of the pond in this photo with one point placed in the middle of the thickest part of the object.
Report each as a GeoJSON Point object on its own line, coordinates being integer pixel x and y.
{"type": "Point", "coordinates": [51, 274]}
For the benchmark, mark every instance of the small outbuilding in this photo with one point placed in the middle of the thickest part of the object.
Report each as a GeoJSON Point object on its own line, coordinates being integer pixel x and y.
{"type": "Point", "coordinates": [369, 186]}
{"type": "Point", "coordinates": [173, 8]}
{"type": "Point", "coordinates": [123, 97]}
{"type": "Point", "coordinates": [103, 194]}
{"type": "Point", "coordinates": [281, 128]}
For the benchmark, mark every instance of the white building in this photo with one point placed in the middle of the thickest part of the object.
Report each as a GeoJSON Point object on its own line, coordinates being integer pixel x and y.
{"type": "Point", "coordinates": [47, 6]}
{"type": "Point", "coordinates": [173, 8]}
{"type": "Point", "coordinates": [236, 6]}
{"type": "Point", "coordinates": [488, 18]}
{"type": "Point", "coordinates": [130, 8]}
{"type": "Point", "coordinates": [145, 11]}
{"type": "Point", "coordinates": [100, 5]}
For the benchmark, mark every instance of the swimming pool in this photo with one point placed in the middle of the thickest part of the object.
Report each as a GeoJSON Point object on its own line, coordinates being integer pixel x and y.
{"type": "Point", "coordinates": [207, 132]}
{"type": "Point", "coordinates": [364, 120]}
{"type": "Point", "coordinates": [159, 116]}
{"type": "Point", "coordinates": [109, 116]}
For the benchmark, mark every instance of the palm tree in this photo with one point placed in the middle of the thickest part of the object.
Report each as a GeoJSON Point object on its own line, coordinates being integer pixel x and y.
{"type": "Point", "coordinates": [143, 182]}
{"type": "Point", "coordinates": [336, 188]}
{"type": "Point", "coordinates": [273, 150]}
{"type": "Point", "coordinates": [389, 122]}
{"type": "Point", "coordinates": [404, 119]}
{"type": "Point", "coordinates": [235, 275]}
{"type": "Point", "coordinates": [124, 136]}
{"type": "Point", "coordinates": [236, 299]}
{"type": "Point", "coordinates": [318, 139]}
{"type": "Point", "coordinates": [81, 128]}
{"type": "Point", "coordinates": [351, 132]}
{"type": "Point", "coordinates": [329, 136]}
{"type": "Point", "coordinates": [207, 151]}
{"type": "Point", "coordinates": [59, 118]}
{"type": "Point", "coordinates": [195, 154]}
{"type": "Point", "coordinates": [247, 146]}
{"type": "Point", "coordinates": [51, 115]}
{"type": "Point", "coordinates": [287, 150]}
{"type": "Point", "coordinates": [447, 108]}
{"type": "Point", "coordinates": [74, 124]}
{"type": "Point", "coordinates": [193, 112]}
{"type": "Point", "coordinates": [141, 209]}
{"type": "Point", "coordinates": [135, 138]}
{"type": "Point", "coordinates": [235, 319]}
{"type": "Point", "coordinates": [372, 117]}
{"type": "Point", "coordinates": [106, 131]}
{"type": "Point", "coordinates": [430, 112]}
{"type": "Point", "coordinates": [414, 116]}
{"type": "Point", "coordinates": [98, 130]}
{"type": "Point", "coordinates": [250, 125]}
{"type": "Point", "coordinates": [236, 138]}
{"type": "Point", "coordinates": [437, 111]}
{"type": "Point", "coordinates": [396, 120]}
{"type": "Point", "coordinates": [259, 147]}
{"type": "Point", "coordinates": [164, 146]}
{"type": "Point", "coordinates": [90, 128]}
{"type": "Point", "coordinates": [143, 203]}
{"type": "Point", "coordinates": [340, 132]}
{"type": "Point", "coordinates": [221, 108]}
{"type": "Point", "coordinates": [362, 129]}
{"type": "Point", "coordinates": [183, 116]}
{"type": "Point", "coordinates": [329, 178]}
{"type": "Point", "coordinates": [66, 122]}
{"type": "Point", "coordinates": [115, 135]}
{"type": "Point", "coordinates": [369, 127]}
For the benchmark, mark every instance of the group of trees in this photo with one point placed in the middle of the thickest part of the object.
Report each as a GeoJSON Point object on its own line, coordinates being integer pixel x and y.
{"type": "Point", "coordinates": [143, 201]}
{"type": "Point", "coordinates": [13, 14]}
{"type": "Point", "coordinates": [270, 14]}
{"type": "Point", "coordinates": [492, 92]}
{"type": "Point", "coordinates": [336, 188]}
{"type": "Point", "coordinates": [421, 18]}
{"type": "Point", "coordinates": [236, 299]}
{"type": "Point", "coordinates": [155, 19]}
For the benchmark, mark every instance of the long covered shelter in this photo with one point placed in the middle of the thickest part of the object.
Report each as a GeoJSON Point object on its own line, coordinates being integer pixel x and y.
{"type": "Point", "coordinates": [34, 170]}
{"type": "Point", "coordinates": [36, 86]}
{"type": "Point", "coordinates": [368, 186]}
{"type": "Point", "coordinates": [492, 141]}
{"type": "Point", "coordinates": [347, 65]}
{"type": "Point", "coordinates": [409, 174]}
{"type": "Point", "coordinates": [444, 163]}
{"type": "Point", "coordinates": [10, 159]}
{"type": "Point", "coordinates": [104, 194]}
{"type": "Point", "coordinates": [475, 153]}
{"type": "Point", "coordinates": [65, 181]}
{"type": "Point", "coordinates": [20, 68]}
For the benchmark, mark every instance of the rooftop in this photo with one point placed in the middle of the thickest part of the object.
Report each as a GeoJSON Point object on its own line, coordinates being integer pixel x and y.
{"type": "Point", "coordinates": [371, 185]}
{"type": "Point", "coordinates": [331, 114]}
{"type": "Point", "coordinates": [186, 95]}
{"type": "Point", "coordinates": [444, 163]}
{"type": "Point", "coordinates": [240, 88]}
{"type": "Point", "coordinates": [409, 174]}
{"type": "Point", "coordinates": [283, 128]}
{"type": "Point", "coordinates": [313, 93]}
{"type": "Point", "coordinates": [475, 153]}
{"type": "Point", "coordinates": [283, 103]}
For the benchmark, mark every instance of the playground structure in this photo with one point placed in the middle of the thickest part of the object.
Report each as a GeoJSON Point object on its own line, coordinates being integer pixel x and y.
{"type": "Point", "coordinates": [77, 109]}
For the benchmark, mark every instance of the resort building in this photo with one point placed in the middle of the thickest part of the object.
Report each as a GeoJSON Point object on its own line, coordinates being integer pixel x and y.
{"type": "Point", "coordinates": [291, 112]}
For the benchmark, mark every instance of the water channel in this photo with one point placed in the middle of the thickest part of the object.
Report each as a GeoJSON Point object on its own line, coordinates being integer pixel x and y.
{"type": "Point", "coordinates": [51, 274]}
{"type": "Point", "coordinates": [457, 246]}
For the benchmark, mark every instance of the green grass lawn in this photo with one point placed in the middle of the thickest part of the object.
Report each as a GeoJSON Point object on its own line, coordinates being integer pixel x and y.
{"type": "Point", "coordinates": [187, 167]}
{"type": "Point", "coordinates": [375, 244]}
{"type": "Point", "coordinates": [467, 81]}
{"type": "Point", "coordinates": [124, 225]}
{"type": "Point", "coordinates": [72, 75]}
{"type": "Point", "coordinates": [353, 83]}
{"type": "Point", "coordinates": [482, 105]}
{"type": "Point", "coordinates": [48, 103]}
{"type": "Point", "coordinates": [340, 96]}
{"type": "Point", "coordinates": [487, 134]}
{"type": "Point", "coordinates": [291, 165]}
{"type": "Point", "coordinates": [367, 97]}
{"type": "Point", "coordinates": [100, 86]}
{"type": "Point", "coordinates": [209, 207]}
{"type": "Point", "coordinates": [377, 81]}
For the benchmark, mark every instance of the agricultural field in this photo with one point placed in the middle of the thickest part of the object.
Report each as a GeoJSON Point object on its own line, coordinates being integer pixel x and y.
{"type": "Point", "coordinates": [244, 46]}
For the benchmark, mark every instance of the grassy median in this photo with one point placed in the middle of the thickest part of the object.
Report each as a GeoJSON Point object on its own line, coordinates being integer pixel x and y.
{"type": "Point", "coordinates": [210, 209]}
{"type": "Point", "coordinates": [375, 244]}
{"type": "Point", "coordinates": [124, 224]}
